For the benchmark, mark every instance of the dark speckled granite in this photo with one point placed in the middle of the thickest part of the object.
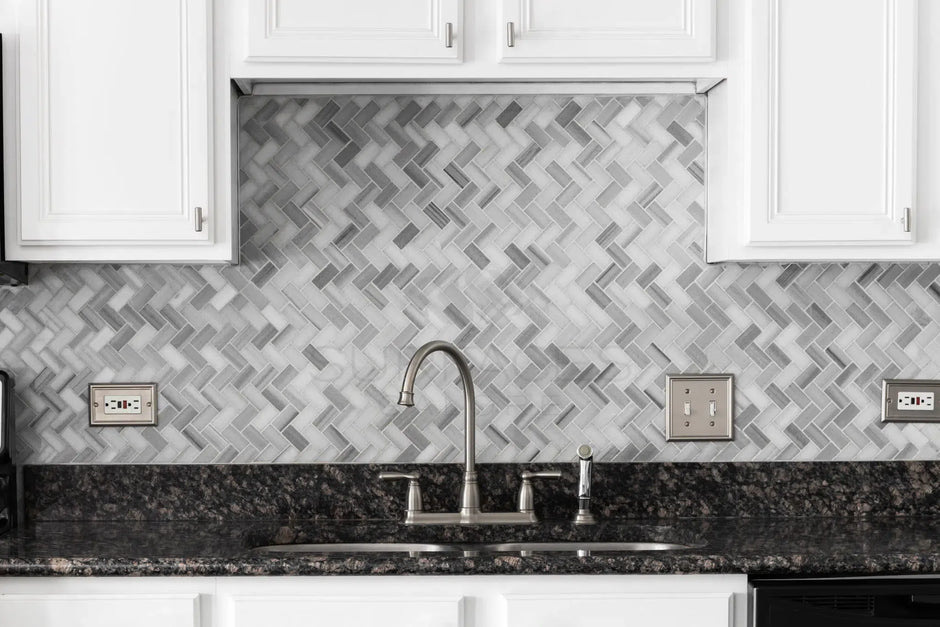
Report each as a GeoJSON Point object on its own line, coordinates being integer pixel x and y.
{"type": "Point", "coordinates": [808, 547]}
{"type": "Point", "coordinates": [353, 492]}
{"type": "Point", "coordinates": [809, 519]}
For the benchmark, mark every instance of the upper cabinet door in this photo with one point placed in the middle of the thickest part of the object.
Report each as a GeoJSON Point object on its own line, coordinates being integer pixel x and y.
{"type": "Point", "coordinates": [833, 123]}
{"type": "Point", "coordinates": [605, 31]}
{"type": "Point", "coordinates": [355, 30]}
{"type": "Point", "coordinates": [113, 125]}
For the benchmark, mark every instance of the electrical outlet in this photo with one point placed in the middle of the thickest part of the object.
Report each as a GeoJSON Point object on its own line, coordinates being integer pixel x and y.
{"type": "Point", "coordinates": [909, 400]}
{"type": "Point", "coordinates": [122, 404]}
{"type": "Point", "coordinates": [699, 406]}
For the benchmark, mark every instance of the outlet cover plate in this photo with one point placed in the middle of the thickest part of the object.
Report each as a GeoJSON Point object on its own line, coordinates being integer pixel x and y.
{"type": "Point", "coordinates": [891, 389]}
{"type": "Point", "coordinates": [687, 407]}
{"type": "Point", "coordinates": [147, 416]}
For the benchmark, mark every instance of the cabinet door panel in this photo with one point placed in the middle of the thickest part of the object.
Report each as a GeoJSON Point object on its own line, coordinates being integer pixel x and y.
{"type": "Point", "coordinates": [67, 610]}
{"type": "Point", "coordinates": [354, 30]}
{"type": "Point", "coordinates": [834, 121]}
{"type": "Point", "coordinates": [620, 610]}
{"type": "Point", "coordinates": [113, 121]}
{"type": "Point", "coordinates": [598, 30]}
{"type": "Point", "coordinates": [371, 611]}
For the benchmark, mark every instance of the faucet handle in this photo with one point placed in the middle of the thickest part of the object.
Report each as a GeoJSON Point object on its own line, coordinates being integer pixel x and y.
{"type": "Point", "coordinates": [527, 492]}
{"type": "Point", "coordinates": [389, 475]}
{"type": "Point", "coordinates": [414, 490]}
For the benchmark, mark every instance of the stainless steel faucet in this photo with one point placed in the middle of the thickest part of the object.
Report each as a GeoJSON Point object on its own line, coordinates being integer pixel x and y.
{"type": "Point", "coordinates": [470, 493]}
{"type": "Point", "coordinates": [586, 463]}
{"type": "Point", "coordinates": [469, 513]}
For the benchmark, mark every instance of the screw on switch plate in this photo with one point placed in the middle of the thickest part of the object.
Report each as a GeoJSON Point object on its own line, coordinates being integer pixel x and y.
{"type": "Point", "coordinates": [699, 406]}
{"type": "Point", "coordinates": [910, 400]}
{"type": "Point", "coordinates": [122, 404]}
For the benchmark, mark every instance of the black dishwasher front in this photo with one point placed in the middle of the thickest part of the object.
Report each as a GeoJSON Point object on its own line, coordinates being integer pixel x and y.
{"type": "Point", "coordinates": [857, 602]}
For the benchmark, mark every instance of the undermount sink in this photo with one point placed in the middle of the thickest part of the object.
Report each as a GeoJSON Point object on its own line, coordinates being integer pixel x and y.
{"type": "Point", "coordinates": [359, 547]}
{"type": "Point", "coordinates": [506, 547]}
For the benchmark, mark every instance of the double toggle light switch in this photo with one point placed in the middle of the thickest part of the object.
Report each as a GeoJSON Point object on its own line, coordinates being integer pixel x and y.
{"type": "Point", "coordinates": [712, 408]}
{"type": "Point", "coordinates": [699, 406]}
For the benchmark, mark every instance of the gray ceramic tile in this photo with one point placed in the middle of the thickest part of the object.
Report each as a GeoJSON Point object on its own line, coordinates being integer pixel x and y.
{"type": "Point", "coordinates": [557, 239]}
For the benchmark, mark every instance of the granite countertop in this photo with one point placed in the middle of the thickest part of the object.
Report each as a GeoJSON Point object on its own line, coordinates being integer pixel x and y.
{"type": "Point", "coordinates": [807, 519]}
{"type": "Point", "coordinates": [806, 547]}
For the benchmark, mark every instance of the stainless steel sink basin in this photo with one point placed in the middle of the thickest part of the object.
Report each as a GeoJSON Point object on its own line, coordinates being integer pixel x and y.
{"type": "Point", "coordinates": [619, 547]}
{"type": "Point", "coordinates": [359, 547]}
{"type": "Point", "coordinates": [524, 548]}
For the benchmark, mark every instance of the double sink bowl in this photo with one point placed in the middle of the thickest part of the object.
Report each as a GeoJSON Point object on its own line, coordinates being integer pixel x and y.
{"type": "Point", "coordinates": [468, 549]}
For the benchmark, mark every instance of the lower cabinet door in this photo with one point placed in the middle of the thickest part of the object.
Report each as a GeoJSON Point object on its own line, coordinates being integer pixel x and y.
{"type": "Point", "coordinates": [94, 610]}
{"type": "Point", "coordinates": [354, 611]}
{"type": "Point", "coordinates": [620, 610]}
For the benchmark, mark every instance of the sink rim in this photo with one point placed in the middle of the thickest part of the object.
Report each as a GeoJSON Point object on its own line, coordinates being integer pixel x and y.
{"type": "Point", "coordinates": [358, 547]}
{"type": "Point", "coordinates": [476, 547]}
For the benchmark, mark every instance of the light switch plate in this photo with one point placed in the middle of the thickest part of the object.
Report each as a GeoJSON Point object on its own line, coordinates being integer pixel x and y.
{"type": "Point", "coordinates": [122, 404]}
{"type": "Point", "coordinates": [699, 407]}
{"type": "Point", "coordinates": [910, 400]}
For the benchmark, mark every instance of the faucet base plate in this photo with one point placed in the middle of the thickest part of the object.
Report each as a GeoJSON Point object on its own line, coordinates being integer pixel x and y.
{"type": "Point", "coordinates": [476, 518]}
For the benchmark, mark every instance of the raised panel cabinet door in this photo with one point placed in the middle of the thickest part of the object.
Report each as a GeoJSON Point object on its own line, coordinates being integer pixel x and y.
{"type": "Point", "coordinates": [620, 610]}
{"type": "Point", "coordinates": [114, 122]}
{"type": "Point", "coordinates": [833, 122]}
{"type": "Point", "coordinates": [602, 31]}
{"type": "Point", "coordinates": [78, 610]}
{"type": "Point", "coordinates": [377, 31]}
{"type": "Point", "coordinates": [365, 611]}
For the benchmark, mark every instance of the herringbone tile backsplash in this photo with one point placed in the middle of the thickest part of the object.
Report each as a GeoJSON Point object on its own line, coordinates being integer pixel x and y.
{"type": "Point", "coordinates": [558, 240]}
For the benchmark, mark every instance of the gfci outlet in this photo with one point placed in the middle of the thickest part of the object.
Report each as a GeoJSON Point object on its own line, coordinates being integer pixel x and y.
{"type": "Point", "coordinates": [122, 404]}
{"type": "Point", "coordinates": [910, 400]}
{"type": "Point", "coordinates": [699, 406]}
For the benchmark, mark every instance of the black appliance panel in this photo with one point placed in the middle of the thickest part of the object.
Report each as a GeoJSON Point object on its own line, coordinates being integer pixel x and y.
{"type": "Point", "coordinates": [847, 602]}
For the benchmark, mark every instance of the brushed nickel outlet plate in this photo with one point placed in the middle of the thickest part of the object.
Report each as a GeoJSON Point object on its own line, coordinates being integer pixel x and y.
{"type": "Point", "coordinates": [894, 393]}
{"type": "Point", "coordinates": [140, 398]}
{"type": "Point", "coordinates": [699, 407]}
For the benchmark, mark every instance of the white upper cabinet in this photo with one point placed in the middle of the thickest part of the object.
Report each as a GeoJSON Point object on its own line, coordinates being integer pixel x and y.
{"type": "Point", "coordinates": [604, 31]}
{"type": "Point", "coordinates": [834, 104]}
{"type": "Point", "coordinates": [478, 40]}
{"type": "Point", "coordinates": [110, 132]}
{"type": "Point", "coordinates": [813, 141]}
{"type": "Point", "coordinates": [379, 31]}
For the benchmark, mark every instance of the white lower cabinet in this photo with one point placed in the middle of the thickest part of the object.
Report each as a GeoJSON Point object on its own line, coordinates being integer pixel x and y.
{"type": "Point", "coordinates": [99, 610]}
{"type": "Point", "coordinates": [597, 610]}
{"type": "Point", "coordinates": [416, 601]}
{"type": "Point", "coordinates": [310, 610]}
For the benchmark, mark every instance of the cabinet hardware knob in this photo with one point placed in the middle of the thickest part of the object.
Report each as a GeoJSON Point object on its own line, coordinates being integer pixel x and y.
{"type": "Point", "coordinates": [448, 35]}
{"type": "Point", "coordinates": [510, 35]}
{"type": "Point", "coordinates": [200, 220]}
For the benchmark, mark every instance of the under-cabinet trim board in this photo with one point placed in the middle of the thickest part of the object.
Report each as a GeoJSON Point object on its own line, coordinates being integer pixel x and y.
{"type": "Point", "coordinates": [393, 88]}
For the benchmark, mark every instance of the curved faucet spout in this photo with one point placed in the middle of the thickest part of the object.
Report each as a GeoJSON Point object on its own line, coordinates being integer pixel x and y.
{"type": "Point", "coordinates": [470, 495]}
